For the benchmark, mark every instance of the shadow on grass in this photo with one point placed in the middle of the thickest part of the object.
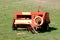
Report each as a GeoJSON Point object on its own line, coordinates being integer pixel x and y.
{"type": "Point", "coordinates": [40, 31]}
{"type": "Point", "coordinates": [49, 30]}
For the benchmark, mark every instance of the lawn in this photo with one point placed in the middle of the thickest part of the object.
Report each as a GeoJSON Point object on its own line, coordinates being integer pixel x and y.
{"type": "Point", "coordinates": [7, 9]}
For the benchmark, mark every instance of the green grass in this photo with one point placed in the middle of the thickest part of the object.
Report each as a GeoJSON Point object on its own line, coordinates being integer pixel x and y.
{"type": "Point", "coordinates": [7, 9]}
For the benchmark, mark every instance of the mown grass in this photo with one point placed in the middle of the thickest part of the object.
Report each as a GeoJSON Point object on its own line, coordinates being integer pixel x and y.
{"type": "Point", "coordinates": [7, 9]}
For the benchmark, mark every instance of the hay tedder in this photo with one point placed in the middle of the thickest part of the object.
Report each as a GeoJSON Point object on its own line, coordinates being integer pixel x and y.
{"type": "Point", "coordinates": [32, 21]}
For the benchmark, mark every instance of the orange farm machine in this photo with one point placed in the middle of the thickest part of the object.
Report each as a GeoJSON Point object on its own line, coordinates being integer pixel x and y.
{"type": "Point", "coordinates": [32, 21]}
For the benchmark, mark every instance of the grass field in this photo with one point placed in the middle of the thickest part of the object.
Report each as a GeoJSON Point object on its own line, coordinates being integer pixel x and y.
{"type": "Point", "coordinates": [7, 9]}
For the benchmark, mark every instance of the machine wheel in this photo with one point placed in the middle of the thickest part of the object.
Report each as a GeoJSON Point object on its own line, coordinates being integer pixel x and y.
{"type": "Point", "coordinates": [45, 27]}
{"type": "Point", "coordinates": [14, 27]}
{"type": "Point", "coordinates": [48, 28]}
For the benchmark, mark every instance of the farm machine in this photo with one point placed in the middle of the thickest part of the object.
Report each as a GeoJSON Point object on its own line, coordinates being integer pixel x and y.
{"type": "Point", "coordinates": [32, 21]}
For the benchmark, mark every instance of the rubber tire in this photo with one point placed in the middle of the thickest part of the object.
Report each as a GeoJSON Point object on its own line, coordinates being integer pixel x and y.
{"type": "Point", "coordinates": [45, 27]}
{"type": "Point", "coordinates": [14, 28]}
